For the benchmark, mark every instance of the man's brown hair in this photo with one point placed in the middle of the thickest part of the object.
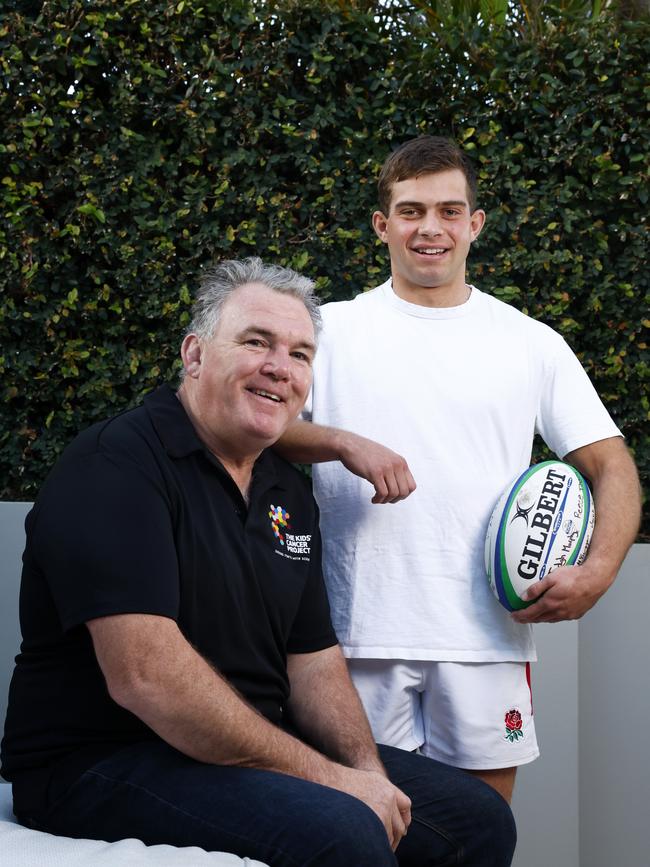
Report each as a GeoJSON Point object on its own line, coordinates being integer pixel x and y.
{"type": "Point", "coordinates": [426, 154]}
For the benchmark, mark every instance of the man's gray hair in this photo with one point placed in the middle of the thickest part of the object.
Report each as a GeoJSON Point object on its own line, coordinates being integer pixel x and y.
{"type": "Point", "coordinates": [222, 279]}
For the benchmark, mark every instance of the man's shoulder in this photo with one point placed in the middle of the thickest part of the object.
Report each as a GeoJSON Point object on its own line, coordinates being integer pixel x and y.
{"type": "Point", "coordinates": [352, 306]}
{"type": "Point", "coordinates": [288, 475]}
{"type": "Point", "coordinates": [127, 440]}
{"type": "Point", "coordinates": [108, 453]}
{"type": "Point", "coordinates": [127, 431]}
{"type": "Point", "coordinates": [516, 319]}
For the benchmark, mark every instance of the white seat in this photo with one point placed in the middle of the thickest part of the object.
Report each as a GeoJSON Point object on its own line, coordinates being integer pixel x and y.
{"type": "Point", "coordinates": [23, 847]}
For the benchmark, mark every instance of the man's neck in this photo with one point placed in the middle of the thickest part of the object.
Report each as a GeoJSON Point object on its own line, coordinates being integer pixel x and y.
{"type": "Point", "coordinates": [434, 296]}
{"type": "Point", "coordinates": [239, 466]}
{"type": "Point", "coordinates": [241, 476]}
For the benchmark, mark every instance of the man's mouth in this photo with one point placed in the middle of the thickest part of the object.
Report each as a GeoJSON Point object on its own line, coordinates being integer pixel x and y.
{"type": "Point", "coordinates": [430, 251]}
{"type": "Point", "coordinates": [267, 394]}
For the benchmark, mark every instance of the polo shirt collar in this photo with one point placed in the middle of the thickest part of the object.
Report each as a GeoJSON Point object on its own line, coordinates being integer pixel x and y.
{"type": "Point", "coordinates": [172, 423]}
{"type": "Point", "coordinates": [179, 438]}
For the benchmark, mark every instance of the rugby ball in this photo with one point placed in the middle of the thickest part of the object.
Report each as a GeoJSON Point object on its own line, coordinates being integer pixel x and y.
{"type": "Point", "coordinates": [542, 521]}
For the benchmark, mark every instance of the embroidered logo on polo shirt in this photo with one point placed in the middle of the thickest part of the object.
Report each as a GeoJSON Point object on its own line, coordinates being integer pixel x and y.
{"type": "Point", "coordinates": [279, 518]}
{"type": "Point", "coordinates": [296, 546]}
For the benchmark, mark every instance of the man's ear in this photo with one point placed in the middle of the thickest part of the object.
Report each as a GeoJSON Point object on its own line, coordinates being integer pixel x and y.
{"type": "Point", "coordinates": [379, 224]}
{"type": "Point", "coordinates": [477, 221]}
{"type": "Point", "coordinates": [191, 352]}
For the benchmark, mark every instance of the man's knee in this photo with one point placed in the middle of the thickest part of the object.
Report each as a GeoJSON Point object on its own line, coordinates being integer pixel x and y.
{"type": "Point", "coordinates": [351, 834]}
{"type": "Point", "coordinates": [363, 847]}
{"type": "Point", "coordinates": [498, 831]}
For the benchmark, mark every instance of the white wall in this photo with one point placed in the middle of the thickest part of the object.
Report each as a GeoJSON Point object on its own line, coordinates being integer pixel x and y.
{"type": "Point", "coordinates": [546, 797]}
{"type": "Point", "coordinates": [12, 542]}
{"type": "Point", "coordinates": [614, 718]}
{"type": "Point", "coordinates": [586, 801]}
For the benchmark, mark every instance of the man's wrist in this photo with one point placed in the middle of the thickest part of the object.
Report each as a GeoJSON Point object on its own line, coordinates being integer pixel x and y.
{"type": "Point", "coordinates": [344, 444]}
{"type": "Point", "coordinates": [600, 571]}
{"type": "Point", "coordinates": [368, 760]}
{"type": "Point", "coordinates": [375, 766]}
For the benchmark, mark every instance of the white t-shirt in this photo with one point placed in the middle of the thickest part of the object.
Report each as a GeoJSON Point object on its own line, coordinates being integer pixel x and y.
{"type": "Point", "coordinates": [459, 392]}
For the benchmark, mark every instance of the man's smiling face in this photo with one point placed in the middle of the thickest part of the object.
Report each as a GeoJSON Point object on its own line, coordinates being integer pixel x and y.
{"type": "Point", "coordinates": [250, 380]}
{"type": "Point", "coordinates": [429, 230]}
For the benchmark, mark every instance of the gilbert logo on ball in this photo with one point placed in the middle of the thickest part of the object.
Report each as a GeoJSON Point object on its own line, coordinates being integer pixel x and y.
{"type": "Point", "coordinates": [542, 521]}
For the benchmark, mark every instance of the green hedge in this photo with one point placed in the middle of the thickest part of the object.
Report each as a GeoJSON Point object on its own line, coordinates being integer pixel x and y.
{"type": "Point", "coordinates": [141, 140]}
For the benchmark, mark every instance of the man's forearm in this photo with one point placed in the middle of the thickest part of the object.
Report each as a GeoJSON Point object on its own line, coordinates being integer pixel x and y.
{"type": "Point", "coordinates": [327, 711]}
{"type": "Point", "coordinates": [307, 443]}
{"type": "Point", "coordinates": [617, 501]}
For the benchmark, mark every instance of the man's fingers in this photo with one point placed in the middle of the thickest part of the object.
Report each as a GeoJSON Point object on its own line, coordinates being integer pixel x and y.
{"type": "Point", "coordinates": [410, 482]}
{"type": "Point", "coordinates": [561, 595]}
{"type": "Point", "coordinates": [396, 826]}
{"type": "Point", "coordinates": [402, 484]}
{"type": "Point", "coordinates": [537, 590]}
{"type": "Point", "coordinates": [401, 817]}
{"type": "Point", "coordinates": [381, 491]}
{"type": "Point", "coordinates": [392, 806]}
{"type": "Point", "coordinates": [386, 470]}
{"type": "Point", "coordinates": [404, 805]}
{"type": "Point", "coordinates": [392, 487]}
{"type": "Point", "coordinates": [398, 830]}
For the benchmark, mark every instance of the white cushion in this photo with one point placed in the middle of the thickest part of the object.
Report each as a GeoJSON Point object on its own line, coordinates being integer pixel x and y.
{"type": "Point", "coordinates": [22, 847]}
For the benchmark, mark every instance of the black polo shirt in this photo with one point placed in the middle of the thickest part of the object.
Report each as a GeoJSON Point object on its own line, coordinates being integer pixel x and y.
{"type": "Point", "coordinates": [138, 516]}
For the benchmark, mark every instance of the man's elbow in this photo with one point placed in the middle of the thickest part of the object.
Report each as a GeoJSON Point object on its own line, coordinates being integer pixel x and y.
{"type": "Point", "coordinates": [135, 654]}
{"type": "Point", "coordinates": [134, 689]}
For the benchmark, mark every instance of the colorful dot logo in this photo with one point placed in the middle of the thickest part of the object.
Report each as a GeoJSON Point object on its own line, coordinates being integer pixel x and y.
{"type": "Point", "coordinates": [279, 519]}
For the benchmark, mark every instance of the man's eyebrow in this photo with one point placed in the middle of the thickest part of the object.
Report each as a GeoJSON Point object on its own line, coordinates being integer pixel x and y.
{"type": "Point", "coordinates": [455, 202]}
{"type": "Point", "coordinates": [270, 335]}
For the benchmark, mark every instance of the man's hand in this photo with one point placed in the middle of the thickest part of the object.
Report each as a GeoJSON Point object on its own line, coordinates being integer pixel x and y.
{"type": "Point", "coordinates": [389, 803]}
{"type": "Point", "coordinates": [565, 594]}
{"type": "Point", "coordinates": [387, 471]}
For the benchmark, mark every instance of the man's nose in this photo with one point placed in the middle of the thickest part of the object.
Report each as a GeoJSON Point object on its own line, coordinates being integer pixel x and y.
{"type": "Point", "coordinates": [277, 364]}
{"type": "Point", "coordinates": [430, 225]}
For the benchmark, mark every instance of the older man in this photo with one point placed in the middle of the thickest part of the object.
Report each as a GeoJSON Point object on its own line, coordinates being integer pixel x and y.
{"type": "Point", "coordinates": [179, 680]}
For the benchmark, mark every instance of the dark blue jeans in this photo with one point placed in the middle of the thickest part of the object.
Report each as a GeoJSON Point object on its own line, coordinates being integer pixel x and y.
{"type": "Point", "coordinates": [158, 795]}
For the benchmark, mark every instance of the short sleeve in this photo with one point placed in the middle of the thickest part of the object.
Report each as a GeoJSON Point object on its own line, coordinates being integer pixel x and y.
{"type": "Point", "coordinates": [103, 539]}
{"type": "Point", "coordinates": [312, 628]}
{"type": "Point", "coordinates": [571, 414]}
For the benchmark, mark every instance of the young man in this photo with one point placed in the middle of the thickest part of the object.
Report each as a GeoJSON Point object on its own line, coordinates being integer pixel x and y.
{"type": "Point", "coordinates": [179, 679]}
{"type": "Point", "coordinates": [458, 383]}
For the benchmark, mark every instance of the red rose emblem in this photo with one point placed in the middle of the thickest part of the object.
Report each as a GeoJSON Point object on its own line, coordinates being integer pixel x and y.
{"type": "Point", "coordinates": [514, 726]}
{"type": "Point", "coordinates": [513, 720]}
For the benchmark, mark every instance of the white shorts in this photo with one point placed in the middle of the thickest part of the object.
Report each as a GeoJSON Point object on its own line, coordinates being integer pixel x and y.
{"type": "Point", "coordinates": [477, 716]}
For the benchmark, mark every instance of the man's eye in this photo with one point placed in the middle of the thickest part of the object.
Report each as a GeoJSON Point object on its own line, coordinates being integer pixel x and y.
{"type": "Point", "coordinates": [301, 356]}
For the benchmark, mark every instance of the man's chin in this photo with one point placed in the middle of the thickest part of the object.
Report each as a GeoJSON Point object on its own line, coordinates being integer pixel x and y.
{"type": "Point", "coordinates": [263, 435]}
